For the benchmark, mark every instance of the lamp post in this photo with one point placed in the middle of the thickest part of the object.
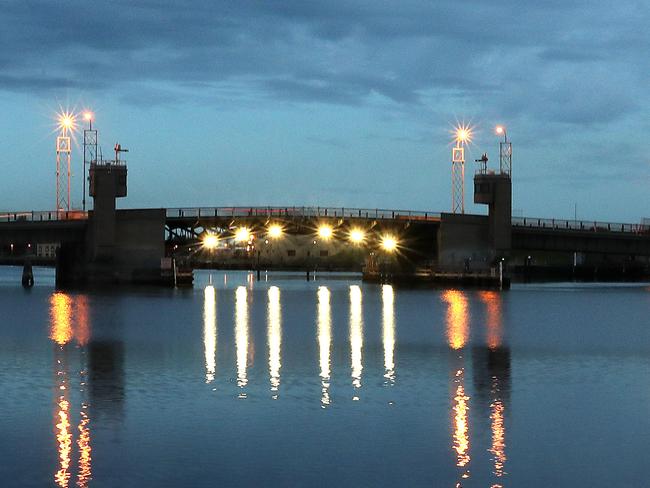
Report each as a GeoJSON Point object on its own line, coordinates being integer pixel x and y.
{"type": "Point", "coordinates": [66, 126]}
{"type": "Point", "coordinates": [462, 136]}
{"type": "Point", "coordinates": [90, 149]}
{"type": "Point", "coordinates": [505, 151]}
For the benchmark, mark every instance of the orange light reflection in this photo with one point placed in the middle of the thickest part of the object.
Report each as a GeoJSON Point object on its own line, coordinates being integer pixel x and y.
{"type": "Point", "coordinates": [83, 442]}
{"type": "Point", "coordinates": [498, 448]}
{"type": "Point", "coordinates": [64, 439]}
{"type": "Point", "coordinates": [60, 315]}
{"type": "Point", "coordinates": [82, 332]}
{"type": "Point", "coordinates": [492, 300]}
{"type": "Point", "coordinates": [457, 318]}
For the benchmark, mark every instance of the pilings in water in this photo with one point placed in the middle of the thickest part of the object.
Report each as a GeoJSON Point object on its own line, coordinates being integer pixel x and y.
{"type": "Point", "coordinates": [28, 275]}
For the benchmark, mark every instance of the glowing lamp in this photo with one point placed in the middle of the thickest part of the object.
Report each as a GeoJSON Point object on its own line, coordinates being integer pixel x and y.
{"type": "Point", "coordinates": [463, 134]}
{"type": "Point", "coordinates": [325, 232]}
{"type": "Point", "coordinates": [275, 231]}
{"type": "Point", "coordinates": [500, 130]}
{"type": "Point", "coordinates": [243, 234]}
{"type": "Point", "coordinates": [88, 116]}
{"type": "Point", "coordinates": [66, 121]}
{"type": "Point", "coordinates": [388, 243]}
{"type": "Point", "coordinates": [357, 236]}
{"type": "Point", "coordinates": [210, 241]}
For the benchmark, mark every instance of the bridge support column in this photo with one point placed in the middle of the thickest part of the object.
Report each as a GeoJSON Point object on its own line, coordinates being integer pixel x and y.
{"type": "Point", "coordinates": [495, 190]}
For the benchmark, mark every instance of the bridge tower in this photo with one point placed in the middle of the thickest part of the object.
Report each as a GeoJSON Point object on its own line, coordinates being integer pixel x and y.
{"type": "Point", "coordinates": [495, 190]}
{"type": "Point", "coordinates": [107, 182]}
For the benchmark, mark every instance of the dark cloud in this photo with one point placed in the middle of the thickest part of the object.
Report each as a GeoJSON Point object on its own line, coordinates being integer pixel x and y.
{"type": "Point", "coordinates": [557, 60]}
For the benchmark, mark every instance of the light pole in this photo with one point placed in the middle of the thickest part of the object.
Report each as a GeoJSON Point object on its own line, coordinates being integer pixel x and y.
{"type": "Point", "coordinates": [463, 135]}
{"type": "Point", "coordinates": [505, 151]}
{"type": "Point", "coordinates": [63, 150]}
{"type": "Point", "coordinates": [90, 149]}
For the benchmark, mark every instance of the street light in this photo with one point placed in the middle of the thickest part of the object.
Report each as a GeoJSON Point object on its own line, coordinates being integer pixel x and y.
{"type": "Point", "coordinates": [500, 129]}
{"type": "Point", "coordinates": [88, 117]}
{"type": "Point", "coordinates": [90, 149]}
{"type": "Point", "coordinates": [505, 151]}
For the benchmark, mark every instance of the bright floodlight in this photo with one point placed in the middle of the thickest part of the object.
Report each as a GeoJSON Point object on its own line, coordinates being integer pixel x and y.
{"type": "Point", "coordinates": [357, 236]}
{"type": "Point", "coordinates": [88, 115]}
{"type": "Point", "coordinates": [325, 231]}
{"type": "Point", "coordinates": [500, 130]}
{"type": "Point", "coordinates": [388, 243]}
{"type": "Point", "coordinates": [210, 241]}
{"type": "Point", "coordinates": [243, 234]}
{"type": "Point", "coordinates": [66, 121]}
{"type": "Point", "coordinates": [463, 134]}
{"type": "Point", "coordinates": [275, 231]}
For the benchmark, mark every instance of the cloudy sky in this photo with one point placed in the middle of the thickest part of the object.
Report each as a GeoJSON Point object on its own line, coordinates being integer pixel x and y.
{"type": "Point", "coordinates": [340, 103]}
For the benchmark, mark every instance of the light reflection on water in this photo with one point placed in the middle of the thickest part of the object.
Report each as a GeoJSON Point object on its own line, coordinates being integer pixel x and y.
{"type": "Point", "coordinates": [275, 339]}
{"type": "Point", "coordinates": [241, 337]}
{"type": "Point", "coordinates": [356, 338]}
{"type": "Point", "coordinates": [210, 332]}
{"type": "Point", "coordinates": [388, 332]}
{"type": "Point", "coordinates": [457, 318]}
{"type": "Point", "coordinates": [65, 311]}
{"type": "Point", "coordinates": [324, 342]}
{"type": "Point", "coordinates": [444, 354]}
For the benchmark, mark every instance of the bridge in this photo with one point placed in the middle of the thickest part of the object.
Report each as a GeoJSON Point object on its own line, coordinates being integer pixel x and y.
{"type": "Point", "coordinates": [545, 247]}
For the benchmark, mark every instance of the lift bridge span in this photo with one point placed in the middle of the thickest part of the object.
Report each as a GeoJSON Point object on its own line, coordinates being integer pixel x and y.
{"type": "Point", "coordinates": [418, 229]}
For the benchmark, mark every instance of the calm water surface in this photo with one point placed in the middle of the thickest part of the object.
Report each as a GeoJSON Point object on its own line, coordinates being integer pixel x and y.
{"type": "Point", "coordinates": [325, 383]}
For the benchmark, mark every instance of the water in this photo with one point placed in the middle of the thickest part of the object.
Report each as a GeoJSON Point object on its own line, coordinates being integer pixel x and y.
{"type": "Point", "coordinates": [328, 383]}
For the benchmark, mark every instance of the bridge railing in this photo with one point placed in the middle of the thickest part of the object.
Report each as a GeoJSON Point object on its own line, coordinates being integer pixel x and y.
{"type": "Point", "coordinates": [299, 212]}
{"type": "Point", "coordinates": [43, 216]}
{"type": "Point", "coordinates": [583, 225]}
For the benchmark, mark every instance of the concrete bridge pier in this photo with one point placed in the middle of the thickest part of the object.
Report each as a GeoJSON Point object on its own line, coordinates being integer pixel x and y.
{"type": "Point", "coordinates": [119, 246]}
{"type": "Point", "coordinates": [495, 190]}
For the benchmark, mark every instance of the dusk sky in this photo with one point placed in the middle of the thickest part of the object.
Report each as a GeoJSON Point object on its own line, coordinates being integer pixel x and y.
{"type": "Point", "coordinates": [335, 103]}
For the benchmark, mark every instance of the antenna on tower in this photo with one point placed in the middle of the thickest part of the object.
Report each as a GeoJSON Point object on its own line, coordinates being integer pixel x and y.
{"type": "Point", "coordinates": [118, 149]}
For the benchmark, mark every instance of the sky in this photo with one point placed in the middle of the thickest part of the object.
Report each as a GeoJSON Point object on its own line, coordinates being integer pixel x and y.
{"type": "Point", "coordinates": [337, 103]}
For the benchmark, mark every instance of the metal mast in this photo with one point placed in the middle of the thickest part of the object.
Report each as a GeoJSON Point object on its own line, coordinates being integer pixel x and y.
{"type": "Point", "coordinates": [458, 179]}
{"type": "Point", "coordinates": [505, 152]}
{"type": "Point", "coordinates": [63, 152]}
{"type": "Point", "coordinates": [90, 151]}
{"type": "Point", "coordinates": [463, 135]}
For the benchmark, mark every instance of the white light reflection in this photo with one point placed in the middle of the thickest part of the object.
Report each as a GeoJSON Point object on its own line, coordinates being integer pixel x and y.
{"type": "Point", "coordinates": [388, 299]}
{"type": "Point", "coordinates": [210, 332]}
{"type": "Point", "coordinates": [324, 342]}
{"type": "Point", "coordinates": [461, 423]}
{"type": "Point", "coordinates": [241, 336]}
{"type": "Point", "coordinates": [274, 338]}
{"type": "Point", "coordinates": [356, 337]}
{"type": "Point", "coordinates": [498, 448]}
